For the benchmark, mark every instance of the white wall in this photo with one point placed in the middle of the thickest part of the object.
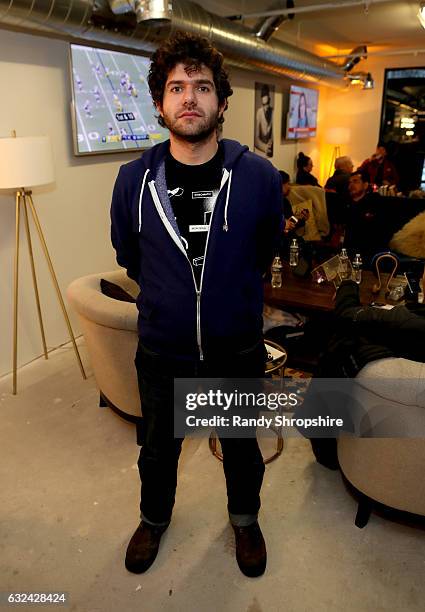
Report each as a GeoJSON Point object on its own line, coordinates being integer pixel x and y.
{"type": "Point", "coordinates": [239, 118]}
{"type": "Point", "coordinates": [351, 107]}
{"type": "Point", "coordinates": [74, 212]}
{"type": "Point", "coordinates": [360, 110]}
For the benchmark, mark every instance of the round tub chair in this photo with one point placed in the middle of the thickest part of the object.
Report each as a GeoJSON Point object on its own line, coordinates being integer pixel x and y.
{"type": "Point", "coordinates": [386, 465]}
{"type": "Point", "coordinates": [109, 327]}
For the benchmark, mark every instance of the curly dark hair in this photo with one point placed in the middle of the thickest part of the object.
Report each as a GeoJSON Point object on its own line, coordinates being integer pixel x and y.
{"type": "Point", "coordinates": [192, 51]}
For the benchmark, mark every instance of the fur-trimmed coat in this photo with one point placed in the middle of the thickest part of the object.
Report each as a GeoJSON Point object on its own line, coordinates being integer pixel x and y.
{"type": "Point", "coordinates": [410, 240]}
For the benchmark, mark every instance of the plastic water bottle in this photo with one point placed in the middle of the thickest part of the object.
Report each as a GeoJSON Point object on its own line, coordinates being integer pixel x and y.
{"type": "Point", "coordinates": [357, 268]}
{"type": "Point", "coordinates": [343, 264]}
{"type": "Point", "coordinates": [294, 253]}
{"type": "Point", "coordinates": [277, 273]}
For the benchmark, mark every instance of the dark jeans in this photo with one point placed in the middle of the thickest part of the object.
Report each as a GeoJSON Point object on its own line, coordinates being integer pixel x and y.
{"type": "Point", "coordinates": [242, 460]}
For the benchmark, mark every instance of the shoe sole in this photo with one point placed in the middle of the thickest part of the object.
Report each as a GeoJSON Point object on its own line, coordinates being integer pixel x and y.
{"type": "Point", "coordinates": [139, 568]}
{"type": "Point", "coordinates": [253, 572]}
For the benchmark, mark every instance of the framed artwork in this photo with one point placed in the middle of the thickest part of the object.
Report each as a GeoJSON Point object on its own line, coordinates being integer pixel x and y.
{"type": "Point", "coordinates": [263, 119]}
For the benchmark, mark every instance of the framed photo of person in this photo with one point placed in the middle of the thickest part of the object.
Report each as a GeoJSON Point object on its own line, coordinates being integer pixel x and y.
{"type": "Point", "coordinates": [263, 119]}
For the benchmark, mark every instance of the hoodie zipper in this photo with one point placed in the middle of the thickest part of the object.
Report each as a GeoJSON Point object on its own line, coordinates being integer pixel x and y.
{"type": "Point", "coordinates": [226, 175]}
{"type": "Point", "coordinates": [177, 241]}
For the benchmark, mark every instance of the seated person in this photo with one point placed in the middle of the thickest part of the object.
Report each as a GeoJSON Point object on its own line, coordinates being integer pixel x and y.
{"type": "Point", "coordinates": [339, 180]}
{"type": "Point", "coordinates": [292, 223]}
{"type": "Point", "coordinates": [337, 195]}
{"type": "Point", "coordinates": [276, 321]}
{"type": "Point", "coordinates": [363, 334]}
{"type": "Point", "coordinates": [304, 168]}
{"type": "Point", "coordinates": [364, 232]}
{"type": "Point", "coordinates": [380, 170]}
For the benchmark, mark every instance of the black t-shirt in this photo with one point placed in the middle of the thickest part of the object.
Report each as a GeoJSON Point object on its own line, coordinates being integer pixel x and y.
{"type": "Point", "coordinates": [193, 191]}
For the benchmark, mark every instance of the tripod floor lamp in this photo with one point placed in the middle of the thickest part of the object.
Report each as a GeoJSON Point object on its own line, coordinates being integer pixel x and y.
{"type": "Point", "coordinates": [25, 163]}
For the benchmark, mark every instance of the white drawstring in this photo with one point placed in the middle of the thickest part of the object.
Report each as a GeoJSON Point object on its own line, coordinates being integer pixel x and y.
{"type": "Point", "coordinates": [140, 198]}
{"type": "Point", "coordinates": [226, 225]}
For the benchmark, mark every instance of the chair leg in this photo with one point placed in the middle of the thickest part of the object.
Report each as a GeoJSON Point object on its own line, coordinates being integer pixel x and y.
{"type": "Point", "coordinates": [364, 511]}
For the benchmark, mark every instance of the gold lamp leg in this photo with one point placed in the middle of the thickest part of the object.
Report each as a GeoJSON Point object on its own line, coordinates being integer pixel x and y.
{"type": "Point", "coordinates": [15, 293]}
{"type": "Point", "coordinates": [55, 282]}
{"type": "Point", "coordinates": [34, 277]}
{"type": "Point", "coordinates": [335, 154]}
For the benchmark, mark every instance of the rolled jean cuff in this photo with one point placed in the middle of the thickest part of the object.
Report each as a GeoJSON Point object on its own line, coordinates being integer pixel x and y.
{"type": "Point", "coordinates": [146, 520]}
{"type": "Point", "coordinates": [242, 520]}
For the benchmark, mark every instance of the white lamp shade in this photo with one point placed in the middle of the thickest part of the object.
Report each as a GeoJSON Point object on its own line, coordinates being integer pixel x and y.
{"type": "Point", "coordinates": [25, 162]}
{"type": "Point", "coordinates": [338, 136]}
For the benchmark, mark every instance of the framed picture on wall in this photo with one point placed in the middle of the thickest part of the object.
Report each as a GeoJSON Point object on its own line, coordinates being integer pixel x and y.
{"type": "Point", "coordinates": [263, 119]}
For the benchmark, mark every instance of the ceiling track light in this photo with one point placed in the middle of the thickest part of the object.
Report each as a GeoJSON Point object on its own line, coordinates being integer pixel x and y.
{"type": "Point", "coordinates": [361, 78]}
{"type": "Point", "coordinates": [369, 82]}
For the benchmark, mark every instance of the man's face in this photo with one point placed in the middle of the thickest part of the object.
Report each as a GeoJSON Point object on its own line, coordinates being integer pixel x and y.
{"type": "Point", "coordinates": [357, 187]}
{"type": "Point", "coordinates": [190, 107]}
{"type": "Point", "coordinates": [381, 152]}
{"type": "Point", "coordinates": [348, 166]}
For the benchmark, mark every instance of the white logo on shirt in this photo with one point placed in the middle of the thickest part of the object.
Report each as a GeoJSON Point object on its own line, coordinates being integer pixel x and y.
{"type": "Point", "coordinates": [202, 194]}
{"type": "Point", "coordinates": [198, 228]}
{"type": "Point", "coordinates": [178, 191]}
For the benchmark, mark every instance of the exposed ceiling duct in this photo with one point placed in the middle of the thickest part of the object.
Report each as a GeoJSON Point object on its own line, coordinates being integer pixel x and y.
{"type": "Point", "coordinates": [267, 26]}
{"type": "Point", "coordinates": [95, 22]}
{"type": "Point", "coordinates": [312, 8]}
{"type": "Point", "coordinates": [153, 11]}
{"type": "Point", "coordinates": [357, 54]}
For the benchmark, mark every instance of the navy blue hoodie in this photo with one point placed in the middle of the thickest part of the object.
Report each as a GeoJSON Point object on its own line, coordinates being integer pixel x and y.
{"type": "Point", "coordinates": [175, 318]}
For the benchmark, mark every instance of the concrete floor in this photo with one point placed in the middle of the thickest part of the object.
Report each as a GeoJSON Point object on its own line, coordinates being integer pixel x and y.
{"type": "Point", "coordinates": [70, 488]}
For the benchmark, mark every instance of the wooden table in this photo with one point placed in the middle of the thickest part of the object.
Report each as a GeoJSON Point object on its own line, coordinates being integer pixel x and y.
{"type": "Point", "coordinates": [304, 295]}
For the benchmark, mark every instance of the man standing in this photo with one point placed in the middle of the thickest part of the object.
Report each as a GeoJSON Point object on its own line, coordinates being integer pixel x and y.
{"type": "Point", "coordinates": [195, 222]}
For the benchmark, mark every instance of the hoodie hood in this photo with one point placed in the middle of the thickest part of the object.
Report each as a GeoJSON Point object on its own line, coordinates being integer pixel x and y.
{"type": "Point", "coordinates": [153, 158]}
{"type": "Point", "coordinates": [154, 176]}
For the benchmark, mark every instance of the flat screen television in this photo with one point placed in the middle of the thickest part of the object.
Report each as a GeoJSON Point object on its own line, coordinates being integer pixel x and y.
{"type": "Point", "coordinates": [112, 110]}
{"type": "Point", "coordinates": [302, 115]}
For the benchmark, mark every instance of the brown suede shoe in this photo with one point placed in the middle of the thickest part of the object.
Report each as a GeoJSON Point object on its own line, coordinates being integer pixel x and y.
{"type": "Point", "coordinates": [143, 547]}
{"type": "Point", "coordinates": [251, 552]}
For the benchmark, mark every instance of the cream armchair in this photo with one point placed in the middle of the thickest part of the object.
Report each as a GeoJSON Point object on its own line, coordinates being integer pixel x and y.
{"type": "Point", "coordinates": [318, 224]}
{"type": "Point", "coordinates": [388, 470]}
{"type": "Point", "coordinates": [109, 327]}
